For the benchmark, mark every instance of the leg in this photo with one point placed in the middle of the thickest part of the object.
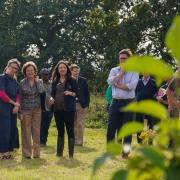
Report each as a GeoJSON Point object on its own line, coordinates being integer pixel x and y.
{"type": "Point", "coordinates": [26, 124]}
{"type": "Point", "coordinates": [59, 119]}
{"type": "Point", "coordinates": [36, 123]}
{"type": "Point", "coordinates": [139, 118]}
{"type": "Point", "coordinates": [69, 122]}
{"type": "Point", "coordinates": [79, 124]}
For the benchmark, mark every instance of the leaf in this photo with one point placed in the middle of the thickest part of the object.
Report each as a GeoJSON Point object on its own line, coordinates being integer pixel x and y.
{"type": "Point", "coordinates": [130, 128]}
{"type": "Point", "coordinates": [121, 174]}
{"type": "Point", "coordinates": [148, 107]}
{"type": "Point", "coordinates": [114, 148]}
{"type": "Point", "coordinates": [149, 65]}
{"type": "Point", "coordinates": [173, 38]}
{"type": "Point", "coordinates": [100, 161]}
{"type": "Point", "coordinates": [154, 156]}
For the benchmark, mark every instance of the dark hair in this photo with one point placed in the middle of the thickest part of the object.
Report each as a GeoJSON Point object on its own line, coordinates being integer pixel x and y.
{"type": "Point", "coordinates": [27, 64]}
{"type": "Point", "coordinates": [127, 51]}
{"type": "Point", "coordinates": [74, 66]}
{"type": "Point", "coordinates": [56, 75]}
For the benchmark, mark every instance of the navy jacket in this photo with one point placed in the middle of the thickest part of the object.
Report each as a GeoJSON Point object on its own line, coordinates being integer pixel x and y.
{"type": "Point", "coordinates": [70, 85]}
{"type": "Point", "coordinates": [83, 92]}
{"type": "Point", "coordinates": [147, 91]}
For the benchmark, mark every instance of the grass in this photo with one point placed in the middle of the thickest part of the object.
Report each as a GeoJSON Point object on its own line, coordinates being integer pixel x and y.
{"type": "Point", "coordinates": [52, 167]}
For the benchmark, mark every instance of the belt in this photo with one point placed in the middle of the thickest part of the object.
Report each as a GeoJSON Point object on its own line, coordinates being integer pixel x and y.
{"type": "Point", "coordinates": [123, 100]}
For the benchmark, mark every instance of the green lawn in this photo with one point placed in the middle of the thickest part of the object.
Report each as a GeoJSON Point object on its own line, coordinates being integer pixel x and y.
{"type": "Point", "coordinates": [52, 167]}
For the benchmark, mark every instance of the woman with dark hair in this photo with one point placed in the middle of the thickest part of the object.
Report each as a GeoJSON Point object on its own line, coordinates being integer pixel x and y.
{"type": "Point", "coordinates": [9, 106]}
{"type": "Point", "coordinates": [64, 89]}
{"type": "Point", "coordinates": [31, 87]}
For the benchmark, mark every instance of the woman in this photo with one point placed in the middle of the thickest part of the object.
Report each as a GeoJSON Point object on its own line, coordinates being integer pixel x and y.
{"type": "Point", "coordinates": [30, 90]}
{"type": "Point", "coordinates": [64, 89]}
{"type": "Point", "coordinates": [9, 106]}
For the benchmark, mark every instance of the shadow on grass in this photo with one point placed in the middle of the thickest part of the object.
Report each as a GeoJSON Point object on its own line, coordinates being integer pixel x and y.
{"type": "Point", "coordinates": [84, 149]}
{"type": "Point", "coordinates": [69, 163]}
{"type": "Point", "coordinates": [33, 163]}
{"type": "Point", "coordinates": [48, 150]}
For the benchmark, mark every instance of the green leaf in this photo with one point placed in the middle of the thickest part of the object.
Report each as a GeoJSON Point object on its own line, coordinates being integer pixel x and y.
{"type": "Point", "coordinates": [114, 148]}
{"type": "Point", "coordinates": [148, 107]}
{"type": "Point", "coordinates": [173, 38]}
{"type": "Point", "coordinates": [130, 128]}
{"type": "Point", "coordinates": [121, 174]}
{"type": "Point", "coordinates": [154, 156]}
{"type": "Point", "coordinates": [100, 161]}
{"type": "Point", "coordinates": [149, 65]}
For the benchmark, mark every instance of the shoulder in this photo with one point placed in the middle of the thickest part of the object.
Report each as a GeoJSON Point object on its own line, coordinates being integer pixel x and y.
{"type": "Point", "coordinates": [82, 78]}
{"type": "Point", "coordinates": [2, 76]}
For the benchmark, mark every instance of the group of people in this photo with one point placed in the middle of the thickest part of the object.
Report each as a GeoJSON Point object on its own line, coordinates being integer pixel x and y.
{"type": "Point", "coordinates": [65, 95]}
{"type": "Point", "coordinates": [126, 87]}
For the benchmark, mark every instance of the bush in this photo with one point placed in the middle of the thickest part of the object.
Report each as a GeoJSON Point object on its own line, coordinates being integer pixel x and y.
{"type": "Point", "coordinates": [97, 113]}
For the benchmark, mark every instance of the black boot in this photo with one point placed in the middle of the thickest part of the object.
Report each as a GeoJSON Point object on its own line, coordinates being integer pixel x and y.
{"type": "Point", "coordinates": [71, 147]}
{"type": "Point", "coordinates": [60, 146]}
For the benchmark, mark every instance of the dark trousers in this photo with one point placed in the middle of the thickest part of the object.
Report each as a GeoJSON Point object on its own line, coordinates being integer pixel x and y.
{"type": "Point", "coordinates": [46, 117]}
{"type": "Point", "coordinates": [65, 119]}
{"type": "Point", "coordinates": [8, 129]}
{"type": "Point", "coordinates": [117, 119]}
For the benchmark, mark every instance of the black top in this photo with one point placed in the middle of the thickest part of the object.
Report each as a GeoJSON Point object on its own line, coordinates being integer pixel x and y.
{"type": "Point", "coordinates": [147, 91]}
{"type": "Point", "coordinates": [83, 92]}
{"type": "Point", "coordinates": [69, 101]}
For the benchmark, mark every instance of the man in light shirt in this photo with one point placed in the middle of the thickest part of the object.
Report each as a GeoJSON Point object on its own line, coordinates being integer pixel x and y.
{"type": "Point", "coordinates": [123, 92]}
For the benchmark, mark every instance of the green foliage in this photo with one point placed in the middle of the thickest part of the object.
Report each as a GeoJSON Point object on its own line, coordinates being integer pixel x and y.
{"type": "Point", "coordinates": [173, 37]}
{"type": "Point", "coordinates": [148, 65]}
{"type": "Point", "coordinates": [159, 161]}
{"type": "Point", "coordinates": [97, 113]}
{"type": "Point", "coordinates": [130, 128]}
{"type": "Point", "coordinates": [148, 107]}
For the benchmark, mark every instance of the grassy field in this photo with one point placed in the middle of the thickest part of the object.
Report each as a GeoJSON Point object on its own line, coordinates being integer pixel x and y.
{"type": "Point", "coordinates": [51, 167]}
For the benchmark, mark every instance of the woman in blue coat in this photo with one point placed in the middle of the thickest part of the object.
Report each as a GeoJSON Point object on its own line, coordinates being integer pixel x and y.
{"type": "Point", "coordinates": [9, 106]}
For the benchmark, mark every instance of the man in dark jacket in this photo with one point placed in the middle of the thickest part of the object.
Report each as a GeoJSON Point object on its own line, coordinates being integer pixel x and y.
{"type": "Point", "coordinates": [146, 89]}
{"type": "Point", "coordinates": [82, 103]}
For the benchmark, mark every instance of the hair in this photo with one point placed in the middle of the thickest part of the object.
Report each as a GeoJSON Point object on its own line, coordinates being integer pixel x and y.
{"type": "Point", "coordinates": [28, 64]}
{"type": "Point", "coordinates": [56, 75]}
{"type": "Point", "coordinates": [73, 66]}
{"type": "Point", "coordinates": [15, 61]}
{"type": "Point", "coordinates": [127, 51]}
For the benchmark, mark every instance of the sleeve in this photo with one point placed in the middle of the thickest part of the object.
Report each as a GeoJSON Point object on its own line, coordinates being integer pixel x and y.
{"type": "Point", "coordinates": [133, 83]}
{"type": "Point", "coordinates": [3, 96]}
{"type": "Point", "coordinates": [87, 93]}
{"type": "Point", "coordinates": [74, 86]}
{"type": "Point", "coordinates": [40, 86]}
{"type": "Point", "coordinates": [111, 76]}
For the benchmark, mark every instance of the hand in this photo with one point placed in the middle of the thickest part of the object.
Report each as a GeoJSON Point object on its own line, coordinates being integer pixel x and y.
{"type": "Point", "coordinates": [68, 93]}
{"type": "Point", "coordinates": [51, 101]}
{"type": "Point", "coordinates": [16, 104]}
{"type": "Point", "coordinates": [15, 110]}
{"type": "Point", "coordinates": [36, 78]}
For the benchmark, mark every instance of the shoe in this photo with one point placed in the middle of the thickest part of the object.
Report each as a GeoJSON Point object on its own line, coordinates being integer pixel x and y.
{"type": "Point", "coordinates": [36, 157]}
{"type": "Point", "coordinates": [27, 157]}
{"type": "Point", "coordinates": [125, 155]}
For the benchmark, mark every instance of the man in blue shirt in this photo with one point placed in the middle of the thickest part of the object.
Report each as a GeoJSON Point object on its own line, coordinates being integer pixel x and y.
{"type": "Point", "coordinates": [123, 92]}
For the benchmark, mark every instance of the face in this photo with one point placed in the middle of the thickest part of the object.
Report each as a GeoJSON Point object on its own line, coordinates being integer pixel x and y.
{"type": "Point", "coordinates": [45, 76]}
{"type": "Point", "coordinates": [12, 69]}
{"type": "Point", "coordinates": [30, 72]}
{"type": "Point", "coordinates": [123, 57]}
{"type": "Point", "coordinates": [75, 72]}
{"type": "Point", "coordinates": [62, 69]}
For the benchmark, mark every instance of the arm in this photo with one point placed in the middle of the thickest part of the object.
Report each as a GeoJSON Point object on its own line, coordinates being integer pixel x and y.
{"type": "Point", "coordinates": [114, 77]}
{"type": "Point", "coordinates": [131, 85]}
{"type": "Point", "coordinates": [40, 86]}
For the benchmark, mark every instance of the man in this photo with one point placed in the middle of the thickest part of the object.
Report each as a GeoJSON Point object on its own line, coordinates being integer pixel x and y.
{"type": "Point", "coordinates": [46, 109]}
{"type": "Point", "coordinates": [82, 103]}
{"type": "Point", "coordinates": [146, 89]}
{"type": "Point", "coordinates": [123, 93]}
